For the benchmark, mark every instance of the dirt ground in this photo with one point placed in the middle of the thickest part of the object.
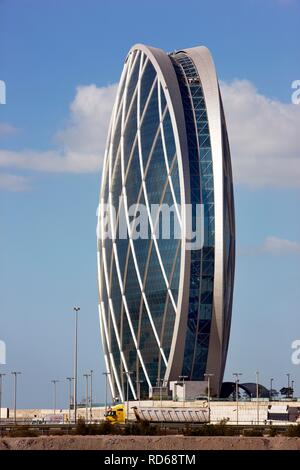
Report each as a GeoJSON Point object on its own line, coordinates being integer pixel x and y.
{"type": "Point", "coordinates": [149, 443]}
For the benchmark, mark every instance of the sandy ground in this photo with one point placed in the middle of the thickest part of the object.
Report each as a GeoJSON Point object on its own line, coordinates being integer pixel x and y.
{"type": "Point", "coordinates": [149, 443]}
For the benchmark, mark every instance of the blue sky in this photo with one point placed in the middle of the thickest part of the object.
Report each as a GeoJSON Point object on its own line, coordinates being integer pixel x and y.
{"type": "Point", "coordinates": [60, 61]}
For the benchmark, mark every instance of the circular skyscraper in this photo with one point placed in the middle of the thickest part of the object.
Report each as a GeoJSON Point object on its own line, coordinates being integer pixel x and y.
{"type": "Point", "coordinates": [165, 298]}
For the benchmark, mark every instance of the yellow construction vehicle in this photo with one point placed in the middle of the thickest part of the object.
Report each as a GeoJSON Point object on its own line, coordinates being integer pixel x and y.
{"type": "Point", "coordinates": [116, 414]}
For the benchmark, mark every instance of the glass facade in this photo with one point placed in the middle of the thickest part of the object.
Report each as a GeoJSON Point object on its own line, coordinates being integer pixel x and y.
{"type": "Point", "coordinates": [142, 155]}
{"type": "Point", "coordinates": [202, 192]}
{"type": "Point", "coordinates": [140, 277]}
{"type": "Point", "coordinates": [229, 237]}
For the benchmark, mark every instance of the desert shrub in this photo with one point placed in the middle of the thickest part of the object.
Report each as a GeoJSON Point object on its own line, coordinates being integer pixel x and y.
{"type": "Point", "coordinates": [293, 431]}
{"type": "Point", "coordinates": [102, 428]}
{"type": "Point", "coordinates": [142, 429]}
{"type": "Point", "coordinates": [22, 431]}
{"type": "Point", "coordinates": [196, 431]}
{"type": "Point", "coordinates": [84, 429]}
{"type": "Point", "coordinates": [253, 432]}
{"type": "Point", "coordinates": [81, 427]}
{"type": "Point", "coordinates": [273, 431]}
{"type": "Point", "coordinates": [225, 430]}
{"type": "Point", "coordinates": [211, 430]}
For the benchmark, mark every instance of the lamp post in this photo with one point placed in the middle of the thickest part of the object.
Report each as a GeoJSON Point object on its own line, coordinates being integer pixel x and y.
{"type": "Point", "coordinates": [54, 382]}
{"type": "Point", "coordinates": [183, 377]}
{"type": "Point", "coordinates": [208, 393]}
{"type": "Point", "coordinates": [106, 375]}
{"type": "Point", "coordinates": [128, 373]}
{"type": "Point", "coordinates": [236, 375]}
{"type": "Point", "coordinates": [15, 374]}
{"type": "Point", "coordinates": [86, 396]}
{"type": "Point", "coordinates": [292, 388]}
{"type": "Point", "coordinates": [139, 382]}
{"type": "Point", "coordinates": [271, 389]}
{"type": "Point", "coordinates": [91, 397]}
{"type": "Point", "coordinates": [69, 379]}
{"type": "Point", "coordinates": [76, 310]}
{"type": "Point", "coordinates": [1, 377]}
{"type": "Point", "coordinates": [159, 383]}
{"type": "Point", "coordinates": [288, 377]}
{"type": "Point", "coordinates": [257, 395]}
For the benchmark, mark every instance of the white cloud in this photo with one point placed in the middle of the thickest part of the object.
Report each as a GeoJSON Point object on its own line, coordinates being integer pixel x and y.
{"type": "Point", "coordinates": [279, 246]}
{"type": "Point", "coordinates": [272, 246]}
{"type": "Point", "coordinates": [264, 137]}
{"type": "Point", "coordinates": [6, 129]}
{"type": "Point", "coordinates": [81, 145]}
{"type": "Point", "coordinates": [10, 182]}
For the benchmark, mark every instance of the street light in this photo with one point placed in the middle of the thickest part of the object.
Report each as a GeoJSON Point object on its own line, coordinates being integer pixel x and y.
{"type": "Point", "coordinates": [54, 382]}
{"type": "Point", "coordinates": [106, 375]}
{"type": "Point", "coordinates": [86, 396]}
{"type": "Point", "coordinates": [139, 382]}
{"type": "Point", "coordinates": [91, 397]}
{"type": "Point", "coordinates": [159, 383]}
{"type": "Point", "coordinates": [1, 375]}
{"type": "Point", "coordinates": [69, 379]}
{"type": "Point", "coordinates": [236, 375]}
{"type": "Point", "coordinates": [271, 389]}
{"type": "Point", "coordinates": [257, 395]}
{"type": "Point", "coordinates": [292, 388]}
{"type": "Point", "coordinates": [76, 310]}
{"type": "Point", "coordinates": [15, 374]}
{"type": "Point", "coordinates": [183, 377]}
{"type": "Point", "coordinates": [288, 377]}
{"type": "Point", "coordinates": [208, 392]}
{"type": "Point", "coordinates": [128, 374]}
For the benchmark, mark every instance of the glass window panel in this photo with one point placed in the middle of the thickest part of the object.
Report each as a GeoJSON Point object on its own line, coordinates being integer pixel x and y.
{"type": "Point", "coordinates": [130, 132]}
{"type": "Point", "coordinates": [156, 291]}
{"type": "Point", "coordinates": [156, 175]}
{"type": "Point", "coordinates": [132, 84]}
{"type": "Point", "coordinates": [148, 78]}
{"type": "Point", "coordinates": [133, 293]}
{"type": "Point", "coordinates": [149, 347]}
{"type": "Point", "coordinates": [169, 137]}
{"type": "Point", "coordinates": [149, 125]}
